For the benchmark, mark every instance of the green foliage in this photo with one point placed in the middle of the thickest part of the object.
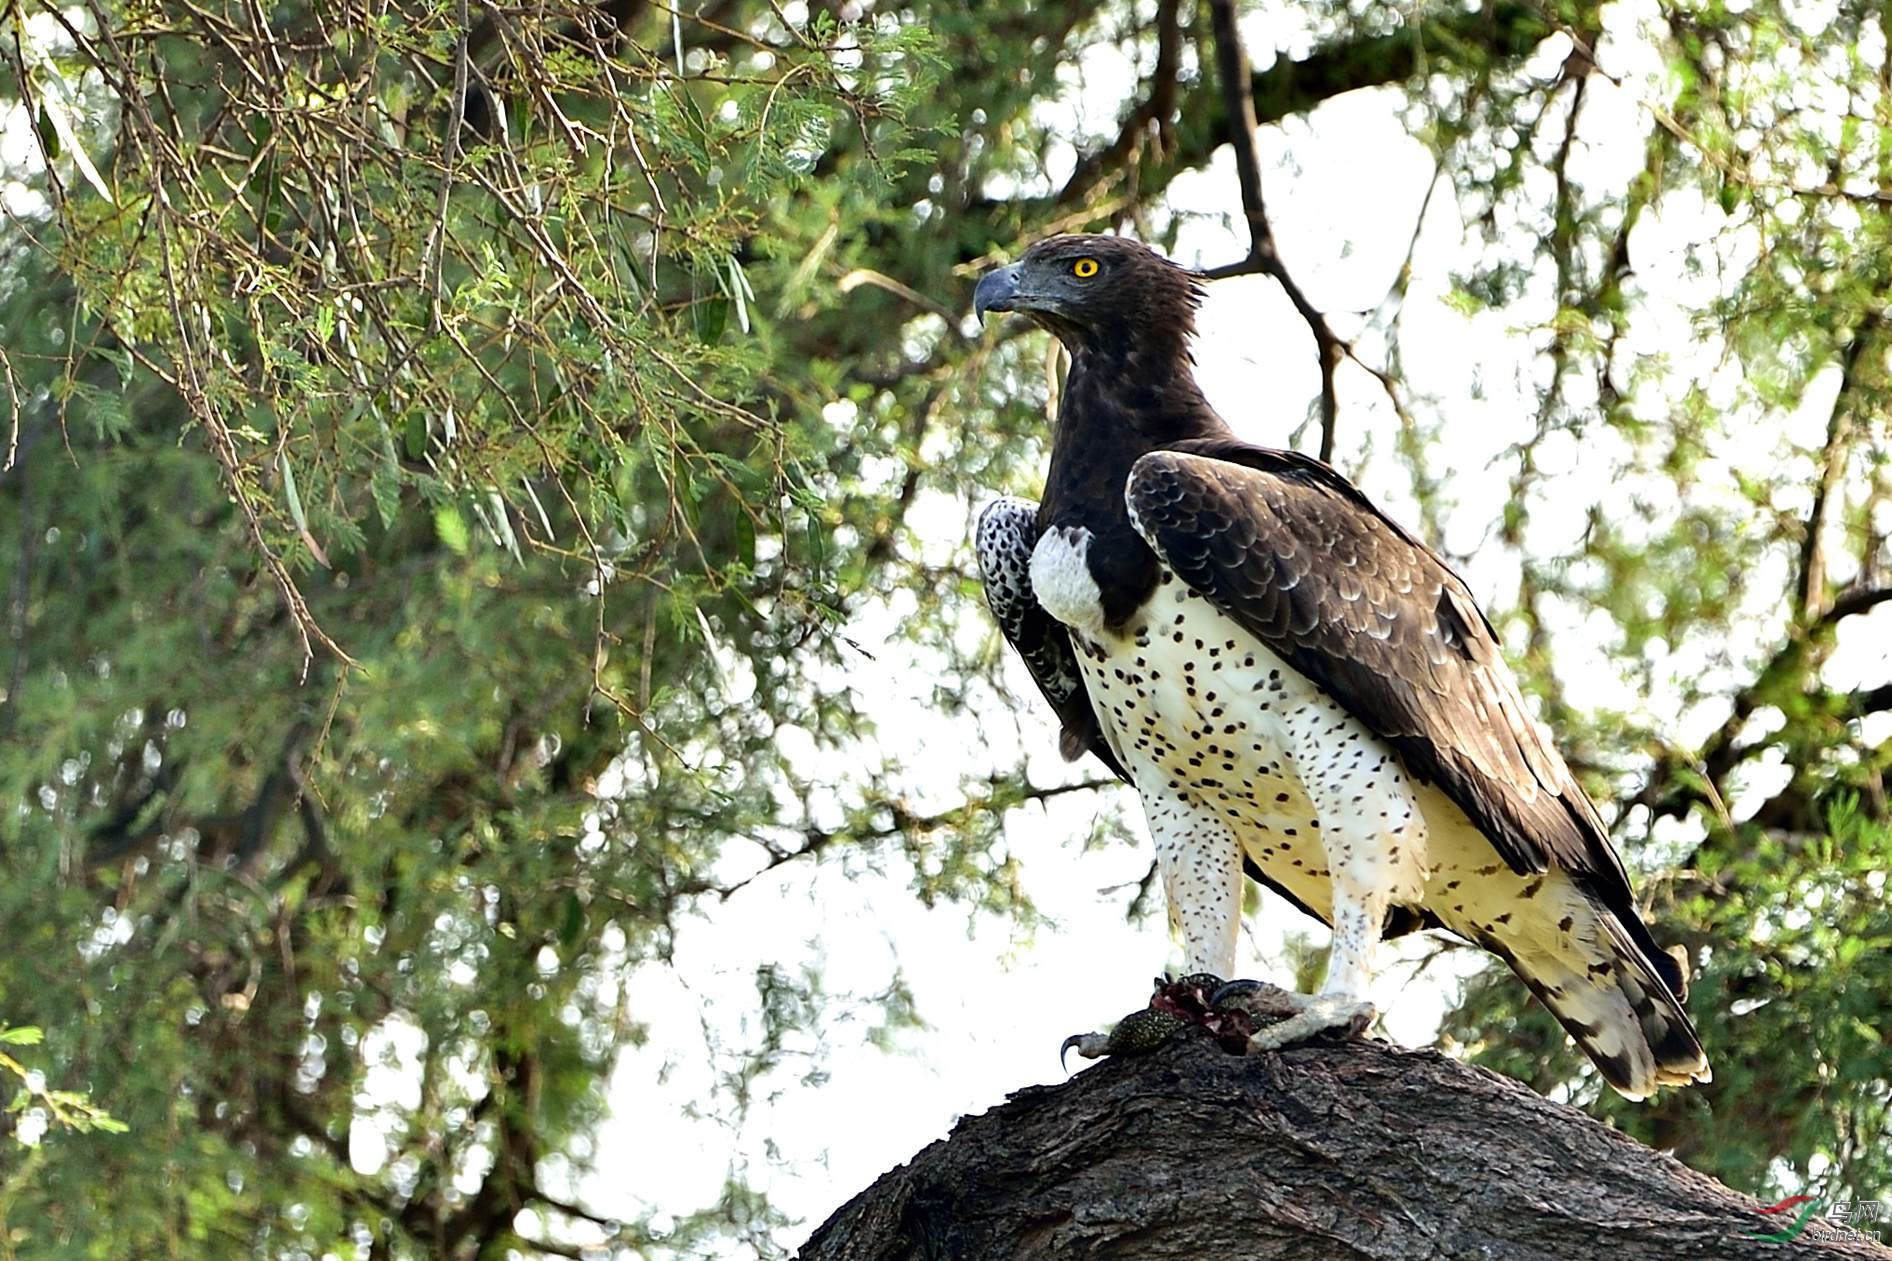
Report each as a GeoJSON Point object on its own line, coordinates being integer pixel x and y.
{"type": "Point", "coordinates": [1748, 563]}
{"type": "Point", "coordinates": [1791, 933]}
{"type": "Point", "coordinates": [67, 1109]}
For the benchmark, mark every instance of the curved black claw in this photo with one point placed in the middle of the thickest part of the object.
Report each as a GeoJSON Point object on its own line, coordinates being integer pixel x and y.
{"type": "Point", "coordinates": [1232, 990]}
{"type": "Point", "coordinates": [1089, 1045]}
{"type": "Point", "coordinates": [1258, 999]}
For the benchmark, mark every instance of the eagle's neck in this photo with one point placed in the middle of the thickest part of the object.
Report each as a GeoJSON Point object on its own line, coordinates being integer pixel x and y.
{"type": "Point", "coordinates": [1120, 403]}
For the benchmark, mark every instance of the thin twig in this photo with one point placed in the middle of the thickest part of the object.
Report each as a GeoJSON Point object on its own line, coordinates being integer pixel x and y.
{"type": "Point", "coordinates": [435, 250]}
{"type": "Point", "coordinates": [13, 411]}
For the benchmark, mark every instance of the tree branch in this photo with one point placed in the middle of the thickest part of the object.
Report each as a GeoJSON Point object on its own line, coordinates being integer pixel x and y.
{"type": "Point", "coordinates": [574, 1210]}
{"type": "Point", "coordinates": [1005, 793]}
{"type": "Point", "coordinates": [1720, 753]}
{"type": "Point", "coordinates": [1358, 1151]}
{"type": "Point", "coordinates": [1158, 107]}
{"type": "Point", "coordinates": [1231, 61]}
{"type": "Point", "coordinates": [1810, 592]}
{"type": "Point", "coordinates": [1441, 40]}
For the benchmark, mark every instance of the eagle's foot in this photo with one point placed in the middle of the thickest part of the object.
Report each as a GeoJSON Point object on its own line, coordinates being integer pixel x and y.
{"type": "Point", "coordinates": [1174, 1006]}
{"type": "Point", "coordinates": [1262, 1002]}
{"type": "Point", "coordinates": [1283, 1017]}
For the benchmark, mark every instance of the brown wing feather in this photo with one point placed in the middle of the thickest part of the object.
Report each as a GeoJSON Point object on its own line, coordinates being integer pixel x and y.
{"type": "Point", "coordinates": [1298, 556]}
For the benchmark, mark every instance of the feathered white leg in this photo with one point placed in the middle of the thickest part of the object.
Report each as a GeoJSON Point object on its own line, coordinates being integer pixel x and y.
{"type": "Point", "coordinates": [1374, 838]}
{"type": "Point", "coordinates": [1200, 862]}
{"type": "Point", "coordinates": [1201, 866]}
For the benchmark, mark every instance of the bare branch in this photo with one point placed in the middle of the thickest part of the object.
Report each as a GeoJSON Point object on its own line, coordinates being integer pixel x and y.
{"type": "Point", "coordinates": [1854, 602]}
{"type": "Point", "coordinates": [1263, 257]}
{"type": "Point", "coordinates": [1721, 752]}
{"type": "Point", "coordinates": [1004, 793]}
{"type": "Point", "coordinates": [572, 1209]}
{"type": "Point", "coordinates": [1810, 592]}
{"type": "Point", "coordinates": [1436, 38]}
{"type": "Point", "coordinates": [880, 280]}
{"type": "Point", "coordinates": [13, 411]}
{"type": "Point", "coordinates": [1156, 110]}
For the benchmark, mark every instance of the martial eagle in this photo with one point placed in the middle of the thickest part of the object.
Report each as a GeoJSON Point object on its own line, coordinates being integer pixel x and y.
{"type": "Point", "coordinates": [1297, 686]}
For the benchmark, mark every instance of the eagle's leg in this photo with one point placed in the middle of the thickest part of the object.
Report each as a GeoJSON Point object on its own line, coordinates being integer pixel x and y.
{"type": "Point", "coordinates": [1342, 1002]}
{"type": "Point", "coordinates": [1360, 896]}
{"type": "Point", "coordinates": [1282, 1017]}
{"type": "Point", "coordinates": [1200, 862]}
{"type": "Point", "coordinates": [1374, 837]}
{"type": "Point", "coordinates": [1201, 865]}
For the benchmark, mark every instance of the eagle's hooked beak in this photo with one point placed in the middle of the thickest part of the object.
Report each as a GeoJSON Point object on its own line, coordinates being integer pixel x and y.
{"type": "Point", "coordinates": [996, 291]}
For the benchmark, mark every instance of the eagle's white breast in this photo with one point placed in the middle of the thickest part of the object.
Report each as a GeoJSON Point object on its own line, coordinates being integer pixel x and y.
{"type": "Point", "coordinates": [1206, 717]}
{"type": "Point", "coordinates": [1061, 579]}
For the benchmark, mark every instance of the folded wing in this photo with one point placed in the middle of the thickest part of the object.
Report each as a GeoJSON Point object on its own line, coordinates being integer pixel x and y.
{"type": "Point", "coordinates": [1299, 557]}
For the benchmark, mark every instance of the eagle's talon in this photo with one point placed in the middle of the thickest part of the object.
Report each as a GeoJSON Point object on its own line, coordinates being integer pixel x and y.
{"type": "Point", "coordinates": [1258, 998]}
{"type": "Point", "coordinates": [1319, 1014]}
{"type": "Point", "coordinates": [1091, 1046]}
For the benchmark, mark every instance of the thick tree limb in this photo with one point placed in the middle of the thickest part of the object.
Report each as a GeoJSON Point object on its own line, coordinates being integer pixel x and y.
{"type": "Point", "coordinates": [1358, 1151]}
{"type": "Point", "coordinates": [1443, 39]}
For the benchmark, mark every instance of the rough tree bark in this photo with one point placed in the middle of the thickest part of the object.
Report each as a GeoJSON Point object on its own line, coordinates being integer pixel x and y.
{"type": "Point", "coordinates": [1332, 1151]}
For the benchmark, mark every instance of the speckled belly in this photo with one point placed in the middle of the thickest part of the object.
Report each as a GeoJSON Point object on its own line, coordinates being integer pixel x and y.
{"type": "Point", "coordinates": [1197, 709]}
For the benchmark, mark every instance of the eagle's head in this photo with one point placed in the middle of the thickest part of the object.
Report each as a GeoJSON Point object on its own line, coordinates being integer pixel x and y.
{"type": "Point", "coordinates": [1095, 292]}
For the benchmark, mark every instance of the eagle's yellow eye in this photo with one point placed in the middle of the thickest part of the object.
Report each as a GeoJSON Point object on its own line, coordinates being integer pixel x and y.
{"type": "Point", "coordinates": [1084, 268]}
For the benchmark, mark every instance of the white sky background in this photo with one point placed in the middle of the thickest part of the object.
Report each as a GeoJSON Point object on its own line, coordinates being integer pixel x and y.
{"type": "Point", "coordinates": [1344, 186]}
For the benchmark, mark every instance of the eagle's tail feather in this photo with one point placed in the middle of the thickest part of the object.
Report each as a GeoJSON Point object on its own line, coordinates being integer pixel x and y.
{"type": "Point", "coordinates": [1619, 1007]}
{"type": "Point", "coordinates": [1654, 985]}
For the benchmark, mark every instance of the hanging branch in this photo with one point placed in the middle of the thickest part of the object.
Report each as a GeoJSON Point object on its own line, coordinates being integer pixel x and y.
{"type": "Point", "coordinates": [1231, 64]}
